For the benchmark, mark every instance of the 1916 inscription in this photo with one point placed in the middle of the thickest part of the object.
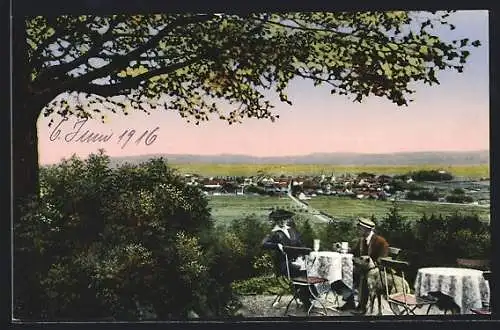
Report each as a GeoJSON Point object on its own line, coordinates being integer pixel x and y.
{"type": "Point", "coordinates": [77, 134]}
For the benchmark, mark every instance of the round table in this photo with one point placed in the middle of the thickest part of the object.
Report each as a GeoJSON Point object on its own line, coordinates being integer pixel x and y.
{"type": "Point", "coordinates": [331, 265]}
{"type": "Point", "coordinates": [466, 286]}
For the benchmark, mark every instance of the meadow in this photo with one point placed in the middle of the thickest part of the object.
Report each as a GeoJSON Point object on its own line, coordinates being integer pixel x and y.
{"type": "Point", "coordinates": [471, 171]}
{"type": "Point", "coordinates": [348, 208]}
{"type": "Point", "coordinates": [227, 208]}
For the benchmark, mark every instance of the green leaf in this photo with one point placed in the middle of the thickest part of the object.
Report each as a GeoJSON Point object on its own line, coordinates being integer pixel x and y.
{"type": "Point", "coordinates": [387, 69]}
{"type": "Point", "coordinates": [392, 46]}
{"type": "Point", "coordinates": [476, 43]}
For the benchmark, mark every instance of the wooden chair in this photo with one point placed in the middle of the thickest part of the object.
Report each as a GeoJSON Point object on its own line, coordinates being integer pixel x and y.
{"type": "Point", "coordinates": [394, 252]}
{"type": "Point", "coordinates": [481, 264]}
{"type": "Point", "coordinates": [298, 283]}
{"type": "Point", "coordinates": [401, 302]}
{"type": "Point", "coordinates": [485, 310]}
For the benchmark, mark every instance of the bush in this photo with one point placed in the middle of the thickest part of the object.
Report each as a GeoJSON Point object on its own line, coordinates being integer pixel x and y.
{"type": "Point", "coordinates": [261, 285]}
{"type": "Point", "coordinates": [443, 240]}
{"type": "Point", "coordinates": [338, 231]}
{"type": "Point", "coordinates": [435, 240]}
{"type": "Point", "coordinates": [307, 233]}
{"type": "Point", "coordinates": [458, 191]}
{"type": "Point", "coordinates": [250, 231]}
{"type": "Point", "coordinates": [430, 175]}
{"type": "Point", "coordinates": [100, 242]}
{"type": "Point", "coordinates": [424, 195]}
{"type": "Point", "coordinates": [459, 198]}
{"type": "Point", "coordinates": [396, 229]}
{"type": "Point", "coordinates": [398, 185]}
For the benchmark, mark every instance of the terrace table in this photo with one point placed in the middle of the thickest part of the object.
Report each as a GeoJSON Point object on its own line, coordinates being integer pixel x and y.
{"type": "Point", "coordinates": [466, 286]}
{"type": "Point", "coordinates": [331, 265]}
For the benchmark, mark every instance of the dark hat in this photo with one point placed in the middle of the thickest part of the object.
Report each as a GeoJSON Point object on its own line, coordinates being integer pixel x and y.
{"type": "Point", "coordinates": [280, 214]}
{"type": "Point", "coordinates": [366, 223]}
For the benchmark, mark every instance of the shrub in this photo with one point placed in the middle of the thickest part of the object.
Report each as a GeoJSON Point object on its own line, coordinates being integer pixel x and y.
{"type": "Point", "coordinates": [423, 195]}
{"type": "Point", "coordinates": [101, 242]}
{"type": "Point", "coordinates": [436, 240]}
{"type": "Point", "coordinates": [430, 175]}
{"type": "Point", "coordinates": [261, 285]}
{"type": "Point", "coordinates": [443, 240]}
{"type": "Point", "coordinates": [250, 231]}
{"type": "Point", "coordinates": [307, 233]}
{"type": "Point", "coordinates": [396, 229]}
{"type": "Point", "coordinates": [459, 198]}
{"type": "Point", "coordinates": [338, 231]}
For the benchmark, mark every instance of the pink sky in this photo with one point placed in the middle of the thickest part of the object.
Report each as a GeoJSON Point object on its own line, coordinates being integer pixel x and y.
{"type": "Point", "coordinates": [451, 116]}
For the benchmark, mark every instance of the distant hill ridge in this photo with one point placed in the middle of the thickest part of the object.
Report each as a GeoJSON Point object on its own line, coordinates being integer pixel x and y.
{"type": "Point", "coordinates": [400, 158]}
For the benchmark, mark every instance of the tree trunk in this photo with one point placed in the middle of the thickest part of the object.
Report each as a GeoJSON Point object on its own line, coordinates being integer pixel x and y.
{"type": "Point", "coordinates": [25, 114]}
{"type": "Point", "coordinates": [25, 154]}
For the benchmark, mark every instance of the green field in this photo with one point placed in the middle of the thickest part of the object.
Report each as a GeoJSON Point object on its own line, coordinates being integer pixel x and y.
{"type": "Point", "coordinates": [345, 208]}
{"type": "Point", "coordinates": [227, 208]}
{"type": "Point", "coordinates": [472, 171]}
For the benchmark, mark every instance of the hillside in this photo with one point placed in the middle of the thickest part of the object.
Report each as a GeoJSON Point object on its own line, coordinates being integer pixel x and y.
{"type": "Point", "coordinates": [402, 158]}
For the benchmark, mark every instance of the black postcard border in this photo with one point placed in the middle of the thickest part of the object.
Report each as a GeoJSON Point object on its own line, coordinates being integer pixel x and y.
{"type": "Point", "coordinates": [22, 8]}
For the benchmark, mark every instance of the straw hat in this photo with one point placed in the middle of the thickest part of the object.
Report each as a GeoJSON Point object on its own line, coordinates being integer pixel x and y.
{"type": "Point", "coordinates": [366, 223]}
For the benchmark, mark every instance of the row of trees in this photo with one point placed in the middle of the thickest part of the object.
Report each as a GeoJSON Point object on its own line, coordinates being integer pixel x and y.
{"type": "Point", "coordinates": [456, 196]}
{"type": "Point", "coordinates": [426, 175]}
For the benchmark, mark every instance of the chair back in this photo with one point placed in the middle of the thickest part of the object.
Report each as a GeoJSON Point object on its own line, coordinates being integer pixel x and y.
{"type": "Point", "coordinates": [398, 268]}
{"type": "Point", "coordinates": [297, 251]}
{"type": "Point", "coordinates": [487, 275]}
{"type": "Point", "coordinates": [394, 252]}
{"type": "Point", "coordinates": [481, 264]}
{"type": "Point", "coordinates": [401, 299]}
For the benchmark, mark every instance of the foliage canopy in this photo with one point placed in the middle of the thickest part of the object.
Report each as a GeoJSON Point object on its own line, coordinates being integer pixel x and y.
{"type": "Point", "coordinates": [191, 62]}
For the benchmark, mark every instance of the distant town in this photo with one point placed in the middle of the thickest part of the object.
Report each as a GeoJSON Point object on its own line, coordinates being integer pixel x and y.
{"type": "Point", "coordinates": [438, 186]}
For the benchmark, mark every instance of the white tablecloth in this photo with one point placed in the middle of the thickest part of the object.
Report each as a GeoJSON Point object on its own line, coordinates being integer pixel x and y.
{"type": "Point", "coordinates": [333, 266]}
{"type": "Point", "coordinates": [466, 286]}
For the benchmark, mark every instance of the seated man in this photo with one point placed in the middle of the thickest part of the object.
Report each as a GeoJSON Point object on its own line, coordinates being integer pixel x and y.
{"type": "Point", "coordinates": [284, 235]}
{"type": "Point", "coordinates": [369, 244]}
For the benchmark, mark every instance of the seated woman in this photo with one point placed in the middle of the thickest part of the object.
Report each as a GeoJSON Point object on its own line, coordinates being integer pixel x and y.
{"type": "Point", "coordinates": [285, 235]}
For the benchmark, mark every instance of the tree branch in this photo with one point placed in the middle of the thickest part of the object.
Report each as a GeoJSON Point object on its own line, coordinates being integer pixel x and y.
{"type": "Point", "coordinates": [37, 59]}
{"type": "Point", "coordinates": [61, 69]}
{"type": "Point", "coordinates": [122, 61]}
{"type": "Point", "coordinates": [133, 82]}
{"type": "Point", "coordinates": [311, 76]}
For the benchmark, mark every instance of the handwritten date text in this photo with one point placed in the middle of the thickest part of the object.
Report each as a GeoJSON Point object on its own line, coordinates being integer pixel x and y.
{"type": "Point", "coordinates": [78, 134]}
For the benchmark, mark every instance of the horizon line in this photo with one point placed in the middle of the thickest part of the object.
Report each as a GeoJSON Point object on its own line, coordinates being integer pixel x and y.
{"type": "Point", "coordinates": [281, 156]}
{"type": "Point", "coordinates": [312, 153]}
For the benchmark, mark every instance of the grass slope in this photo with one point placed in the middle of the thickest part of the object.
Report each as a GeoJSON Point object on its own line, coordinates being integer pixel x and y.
{"type": "Point", "coordinates": [345, 208]}
{"type": "Point", "coordinates": [228, 208]}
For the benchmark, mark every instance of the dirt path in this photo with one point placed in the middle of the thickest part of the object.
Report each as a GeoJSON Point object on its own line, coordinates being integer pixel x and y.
{"type": "Point", "coordinates": [304, 206]}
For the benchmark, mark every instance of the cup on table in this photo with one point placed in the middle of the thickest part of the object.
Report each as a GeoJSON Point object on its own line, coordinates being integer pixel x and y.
{"type": "Point", "coordinates": [316, 245]}
{"type": "Point", "coordinates": [344, 247]}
